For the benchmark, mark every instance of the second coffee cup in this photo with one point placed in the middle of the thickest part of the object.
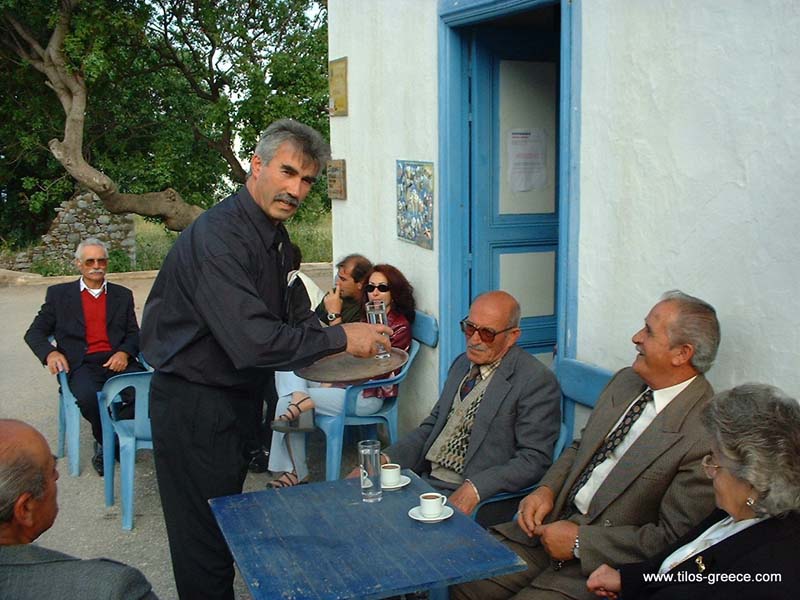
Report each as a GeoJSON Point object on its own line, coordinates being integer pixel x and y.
{"type": "Point", "coordinates": [390, 475]}
{"type": "Point", "coordinates": [431, 504]}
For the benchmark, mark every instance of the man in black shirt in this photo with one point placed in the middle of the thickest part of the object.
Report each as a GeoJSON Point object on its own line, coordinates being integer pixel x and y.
{"type": "Point", "coordinates": [216, 325]}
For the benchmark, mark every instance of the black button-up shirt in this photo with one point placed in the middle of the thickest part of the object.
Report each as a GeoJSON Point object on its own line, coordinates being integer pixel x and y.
{"type": "Point", "coordinates": [217, 313]}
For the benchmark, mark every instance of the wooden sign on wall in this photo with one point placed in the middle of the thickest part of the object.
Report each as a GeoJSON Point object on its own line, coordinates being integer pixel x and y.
{"type": "Point", "coordinates": [337, 80]}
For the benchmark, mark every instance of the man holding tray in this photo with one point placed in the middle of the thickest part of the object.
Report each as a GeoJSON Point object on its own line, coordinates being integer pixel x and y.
{"type": "Point", "coordinates": [215, 327]}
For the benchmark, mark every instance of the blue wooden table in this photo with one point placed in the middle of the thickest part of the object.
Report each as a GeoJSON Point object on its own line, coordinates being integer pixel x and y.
{"type": "Point", "coordinates": [321, 541]}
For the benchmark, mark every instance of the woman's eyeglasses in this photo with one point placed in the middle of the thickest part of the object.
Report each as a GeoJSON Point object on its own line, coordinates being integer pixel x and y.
{"type": "Point", "coordinates": [709, 467]}
{"type": "Point", "coordinates": [381, 287]}
{"type": "Point", "coordinates": [100, 262]}
{"type": "Point", "coordinates": [487, 334]}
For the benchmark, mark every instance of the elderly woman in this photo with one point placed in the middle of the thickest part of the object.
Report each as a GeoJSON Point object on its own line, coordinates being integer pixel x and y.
{"type": "Point", "coordinates": [299, 399]}
{"type": "Point", "coordinates": [748, 547]}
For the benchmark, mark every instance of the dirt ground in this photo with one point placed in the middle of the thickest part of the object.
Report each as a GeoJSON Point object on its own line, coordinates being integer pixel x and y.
{"type": "Point", "coordinates": [85, 527]}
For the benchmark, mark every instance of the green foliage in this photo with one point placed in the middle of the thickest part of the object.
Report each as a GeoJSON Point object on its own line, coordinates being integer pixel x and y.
{"type": "Point", "coordinates": [313, 237]}
{"type": "Point", "coordinates": [119, 261]}
{"type": "Point", "coordinates": [49, 267]}
{"type": "Point", "coordinates": [153, 242]}
{"type": "Point", "coordinates": [170, 86]}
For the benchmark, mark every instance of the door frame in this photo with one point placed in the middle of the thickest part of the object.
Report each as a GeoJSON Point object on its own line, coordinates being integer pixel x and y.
{"type": "Point", "coordinates": [454, 167]}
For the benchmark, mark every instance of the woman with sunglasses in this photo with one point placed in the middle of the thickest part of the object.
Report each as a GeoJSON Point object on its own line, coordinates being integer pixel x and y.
{"type": "Point", "coordinates": [386, 283]}
{"type": "Point", "coordinates": [746, 548]}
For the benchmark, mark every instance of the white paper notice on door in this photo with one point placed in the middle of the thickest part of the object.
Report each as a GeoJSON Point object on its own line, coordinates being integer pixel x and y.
{"type": "Point", "coordinates": [527, 159]}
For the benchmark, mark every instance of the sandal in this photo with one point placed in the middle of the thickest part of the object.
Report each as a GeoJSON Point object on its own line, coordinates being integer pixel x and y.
{"type": "Point", "coordinates": [284, 481]}
{"type": "Point", "coordinates": [296, 419]}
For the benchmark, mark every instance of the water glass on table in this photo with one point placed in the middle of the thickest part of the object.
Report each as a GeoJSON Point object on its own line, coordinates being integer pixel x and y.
{"type": "Point", "coordinates": [369, 459]}
{"type": "Point", "coordinates": [376, 314]}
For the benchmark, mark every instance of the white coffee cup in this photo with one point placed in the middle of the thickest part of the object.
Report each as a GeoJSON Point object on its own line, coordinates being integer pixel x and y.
{"type": "Point", "coordinates": [431, 504]}
{"type": "Point", "coordinates": [390, 475]}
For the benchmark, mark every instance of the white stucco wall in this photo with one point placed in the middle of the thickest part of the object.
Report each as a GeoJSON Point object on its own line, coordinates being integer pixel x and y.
{"type": "Point", "coordinates": [391, 51]}
{"type": "Point", "coordinates": [689, 175]}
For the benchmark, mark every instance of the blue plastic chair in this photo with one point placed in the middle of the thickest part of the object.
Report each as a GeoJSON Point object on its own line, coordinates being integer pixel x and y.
{"type": "Point", "coordinates": [424, 330]}
{"type": "Point", "coordinates": [133, 434]}
{"type": "Point", "coordinates": [581, 384]}
{"type": "Point", "coordinates": [69, 426]}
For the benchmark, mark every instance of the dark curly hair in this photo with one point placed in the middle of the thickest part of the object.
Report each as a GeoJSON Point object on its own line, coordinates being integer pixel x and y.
{"type": "Point", "coordinates": [402, 291]}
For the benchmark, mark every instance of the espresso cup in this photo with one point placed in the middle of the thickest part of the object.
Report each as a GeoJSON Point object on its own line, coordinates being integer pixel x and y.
{"type": "Point", "coordinates": [431, 504]}
{"type": "Point", "coordinates": [390, 475]}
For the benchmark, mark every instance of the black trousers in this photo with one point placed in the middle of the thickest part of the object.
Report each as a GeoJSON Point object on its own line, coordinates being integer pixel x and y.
{"type": "Point", "coordinates": [88, 379]}
{"type": "Point", "coordinates": [202, 438]}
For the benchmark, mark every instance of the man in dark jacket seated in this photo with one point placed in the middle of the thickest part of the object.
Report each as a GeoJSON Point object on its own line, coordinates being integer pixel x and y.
{"type": "Point", "coordinates": [96, 335]}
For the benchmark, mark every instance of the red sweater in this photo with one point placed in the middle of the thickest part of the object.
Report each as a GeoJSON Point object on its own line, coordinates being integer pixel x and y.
{"type": "Point", "coordinates": [94, 315]}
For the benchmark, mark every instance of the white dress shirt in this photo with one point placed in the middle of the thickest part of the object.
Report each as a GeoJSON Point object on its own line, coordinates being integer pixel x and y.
{"type": "Point", "coordinates": [96, 293]}
{"type": "Point", "coordinates": [661, 398]}
{"type": "Point", "coordinates": [711, 536]}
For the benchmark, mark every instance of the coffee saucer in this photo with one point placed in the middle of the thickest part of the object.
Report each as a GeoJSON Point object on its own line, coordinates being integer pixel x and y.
{"type": "Point", "coordinates": [446, 513]}
{"type": "Point", "coordinates": [404, 481]}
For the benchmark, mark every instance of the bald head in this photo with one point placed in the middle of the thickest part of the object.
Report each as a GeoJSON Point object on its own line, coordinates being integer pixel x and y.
{"type": "Point", "coordinates": [497, 313]}
{"type": "Point", "coordinates": [28, 477]}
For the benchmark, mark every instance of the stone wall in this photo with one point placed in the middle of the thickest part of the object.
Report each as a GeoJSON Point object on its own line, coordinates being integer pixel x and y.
{"type": "Point", "coordinates": [81, 217]}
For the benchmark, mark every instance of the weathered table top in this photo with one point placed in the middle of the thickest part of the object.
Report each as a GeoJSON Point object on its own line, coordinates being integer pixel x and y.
{"type": "Point", "coordinates": [321, 541]}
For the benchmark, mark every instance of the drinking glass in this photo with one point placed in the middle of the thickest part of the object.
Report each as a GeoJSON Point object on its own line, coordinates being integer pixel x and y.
{"type": "Point", "coordinates": [376, 313]}
{"type": "Point", "coordinates": [369, 458]}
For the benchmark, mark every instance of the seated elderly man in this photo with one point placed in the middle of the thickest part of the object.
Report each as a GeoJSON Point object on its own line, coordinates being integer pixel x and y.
{"type": "Point", "coordinates": [634, 482]}
{"type": "Point", "coordinates": [28, 508]}
{"type": "Point", "coordinates": [96, 335]}
{"type": "Point", "coordinates": [497, 420]}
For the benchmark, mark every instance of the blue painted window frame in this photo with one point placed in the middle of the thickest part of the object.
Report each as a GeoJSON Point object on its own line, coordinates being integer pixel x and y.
{"type": "Point", "coordinates": [454, 162]}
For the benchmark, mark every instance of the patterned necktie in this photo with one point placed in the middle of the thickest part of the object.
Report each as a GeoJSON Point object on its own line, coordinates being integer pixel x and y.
{"type": "Point", "coordinates": [612, 440]}
{"type": "Point", "coordinates": [470, 381]}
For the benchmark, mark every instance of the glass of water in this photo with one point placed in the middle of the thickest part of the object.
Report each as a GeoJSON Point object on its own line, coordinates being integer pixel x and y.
{"type": "Point", "coordinates": [376, 313]}
{"type": "Point", "coordinates": [369, 459]}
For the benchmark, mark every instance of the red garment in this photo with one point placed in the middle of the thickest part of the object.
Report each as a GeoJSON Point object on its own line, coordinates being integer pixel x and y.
{"type": "Point", "coordinates": [94, 315]}
{"type": "Point", "coordinates": [400, 338]}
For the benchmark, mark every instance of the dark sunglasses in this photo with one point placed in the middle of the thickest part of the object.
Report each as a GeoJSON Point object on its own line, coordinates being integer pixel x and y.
{"type": "Point", "coordinates": [381, 287]}
{"type": "Point", "coordinates": [100, 262]}
{"type": "Point", "coordinates": [487, 334]}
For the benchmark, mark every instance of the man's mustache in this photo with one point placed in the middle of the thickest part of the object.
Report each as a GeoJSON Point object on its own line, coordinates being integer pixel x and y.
{"type": "Point", "coordinates": [287, 198]}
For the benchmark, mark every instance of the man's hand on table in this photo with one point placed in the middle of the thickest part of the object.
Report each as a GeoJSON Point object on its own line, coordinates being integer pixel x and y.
{"type": "Point", "coordinates": [464, 498]}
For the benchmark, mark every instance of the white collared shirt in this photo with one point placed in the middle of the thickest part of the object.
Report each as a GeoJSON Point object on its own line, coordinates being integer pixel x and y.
{"type": "Point", "coordinates": [96, 293]}
{"type": "Point", "coordinates": [719, 531]}
{"type": "Point", "coordinates": [661, 398]}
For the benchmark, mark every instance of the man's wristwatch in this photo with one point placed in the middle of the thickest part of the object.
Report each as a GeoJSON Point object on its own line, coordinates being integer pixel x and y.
{"type": "Point", "coordinates": [333, 316]}
{"type": "Point", "coordinates": [576, 547]}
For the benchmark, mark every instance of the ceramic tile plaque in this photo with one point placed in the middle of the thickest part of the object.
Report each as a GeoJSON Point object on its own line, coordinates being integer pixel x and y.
{"type": "Point", "coordinates": [415, 202]}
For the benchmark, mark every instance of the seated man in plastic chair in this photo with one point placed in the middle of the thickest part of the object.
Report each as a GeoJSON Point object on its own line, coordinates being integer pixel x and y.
{"type": "Point", "coordinates": [496, 422]}
{"type": "Point", "coordinates": [96, 335]}
{"type": "Point", "coordinates": [634, 482]}
{"type": "Point", "coordinates": [28, 508]}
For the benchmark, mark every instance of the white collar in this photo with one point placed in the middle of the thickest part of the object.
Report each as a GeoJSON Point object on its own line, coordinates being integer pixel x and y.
{"type": "Point", "coordinates": [664, 396]}
{"type": "Point", "coordinates": [96, 293]}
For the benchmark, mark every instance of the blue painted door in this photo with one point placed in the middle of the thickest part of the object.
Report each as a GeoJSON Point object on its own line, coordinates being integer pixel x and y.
{"type": "Point", "coordinates": [514, 105]}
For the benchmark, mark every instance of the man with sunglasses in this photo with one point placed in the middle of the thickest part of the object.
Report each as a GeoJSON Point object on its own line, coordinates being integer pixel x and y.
{"type": "Point", "coordinates": [497, 420]}
{"type": "Point", "coordinates": [633, 483]}
{"type": "Point", "coordinates": [95, 331]}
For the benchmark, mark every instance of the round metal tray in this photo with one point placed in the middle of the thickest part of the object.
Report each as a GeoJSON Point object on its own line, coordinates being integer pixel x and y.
{"type": "Point", "coordinates": [346, 368]}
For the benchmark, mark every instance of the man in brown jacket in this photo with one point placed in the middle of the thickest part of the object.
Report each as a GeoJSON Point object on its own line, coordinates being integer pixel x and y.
{"type": "Point", "coordinates": [633, 483]}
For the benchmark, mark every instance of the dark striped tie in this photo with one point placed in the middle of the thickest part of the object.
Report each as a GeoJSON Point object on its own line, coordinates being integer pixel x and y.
{"type": "Point", "coordinates": [470, 381]}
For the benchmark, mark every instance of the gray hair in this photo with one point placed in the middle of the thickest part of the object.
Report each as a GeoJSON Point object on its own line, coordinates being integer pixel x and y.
{"type": "Point", "coordinates": [757, 427]}
{"type": "Point", "coordinates": [89, 242]}
{"type": "Point", "coordinates": [304, 138]}
{"type": "Point", "coordinates": [19, 473]}
{"type": "Point", "coordinates": [695, 324]}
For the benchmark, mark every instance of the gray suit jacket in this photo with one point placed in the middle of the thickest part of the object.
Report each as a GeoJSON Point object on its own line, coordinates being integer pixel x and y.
{"type": "Point", "coordinates": [655, 493]}
{"type": "Point", "coordinates": [29, 572]}
{"type": "Point", "coordinates": [515, 428]}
